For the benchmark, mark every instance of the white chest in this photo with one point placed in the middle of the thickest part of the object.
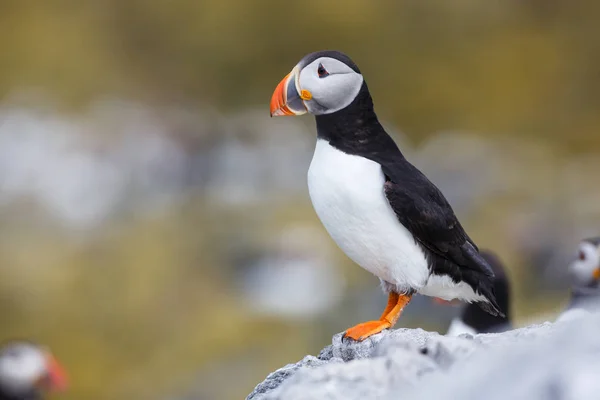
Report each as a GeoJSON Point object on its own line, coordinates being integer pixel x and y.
{"type": "Point", "coordinates": [348, 195]}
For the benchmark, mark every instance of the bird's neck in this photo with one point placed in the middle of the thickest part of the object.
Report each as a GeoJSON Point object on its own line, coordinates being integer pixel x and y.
{"type": "Point", "coordinates": [580, 293]}
{"type": "Point", "coordinates": [31, 395]}
{"type": "Point", "coordinates": [356, 129]}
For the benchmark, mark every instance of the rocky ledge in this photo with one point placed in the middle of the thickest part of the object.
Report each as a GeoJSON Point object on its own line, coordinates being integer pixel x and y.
{"type": "Point", "coordinates": [548, 361]}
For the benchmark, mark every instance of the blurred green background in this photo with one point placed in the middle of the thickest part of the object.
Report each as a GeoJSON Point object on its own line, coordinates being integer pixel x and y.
{"type": "Point", "coordinates": [156, 229]}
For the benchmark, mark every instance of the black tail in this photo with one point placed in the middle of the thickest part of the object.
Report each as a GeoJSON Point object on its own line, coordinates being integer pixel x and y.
{"type": "Point", "coordinates": [492, 307]}
{"type": "Point", "coordinates": [498, 293]}
{"type": "Point", "coordinates": [484, 285]}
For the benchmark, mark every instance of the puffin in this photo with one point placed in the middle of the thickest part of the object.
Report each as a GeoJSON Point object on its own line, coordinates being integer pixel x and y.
{"type": "Point", "coordinates": [472, 319]}
{"type": "Point", "coordinates": [28, 370]}
{"type": "Point", "coordinates": [380, 210]}
{"type": "Point", "coordinates": [585, 280]}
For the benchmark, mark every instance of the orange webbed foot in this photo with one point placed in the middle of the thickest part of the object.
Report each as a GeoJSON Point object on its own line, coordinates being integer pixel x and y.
{"type": "Point", "coordinates": [396, 303]}
{"type": "Point", "coordinates": [362, 331]}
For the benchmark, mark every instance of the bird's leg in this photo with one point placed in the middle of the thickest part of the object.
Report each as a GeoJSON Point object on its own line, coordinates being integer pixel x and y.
{"type": "Point", "coordinates": [392, 316]}
{"type": "Point", "coordinates": [396, 303]}
{"type": "Point", "coordinates": [392, 301]}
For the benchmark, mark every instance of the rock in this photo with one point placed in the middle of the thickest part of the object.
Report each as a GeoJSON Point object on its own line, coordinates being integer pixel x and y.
{"type": "Point", "coordinates": [557, 362]}
{"type": "Point", "coordinates": [275, 379]}
{"type": "Point", "coordinates": [546, 361]}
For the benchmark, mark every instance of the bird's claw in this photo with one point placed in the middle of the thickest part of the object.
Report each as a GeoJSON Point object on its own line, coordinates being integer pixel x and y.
{"type": "Point", "coordinates": [364, 330]}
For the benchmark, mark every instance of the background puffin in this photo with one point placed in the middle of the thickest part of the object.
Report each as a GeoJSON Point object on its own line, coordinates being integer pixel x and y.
{"type": "Point", "coordinates": [379, 209]}
{"type": "Point", "coordinates": [472, 319]}
{"type": "Point", "coordinates": [585, 277]}
{"type": "Point", "coordinates": [27, 371]}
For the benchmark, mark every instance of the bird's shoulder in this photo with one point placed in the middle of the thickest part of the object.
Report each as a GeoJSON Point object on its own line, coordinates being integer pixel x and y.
{"type": "Point", "coordinates": [420, 205]}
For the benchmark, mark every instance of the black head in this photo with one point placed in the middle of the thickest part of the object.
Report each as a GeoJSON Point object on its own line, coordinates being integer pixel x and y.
{"type": "Point", "coordinates": [322, 83]}
{"type": "Point", "coordinates": [324, 54]}
{"type": "Point", "coordinates": [329, 85]}
{"type": "Point", "coordinates": [585, 268]}
{"type": "Point", "coordinates": [478, 319]}
{"type": "Point", "coordinates": [27, 370]}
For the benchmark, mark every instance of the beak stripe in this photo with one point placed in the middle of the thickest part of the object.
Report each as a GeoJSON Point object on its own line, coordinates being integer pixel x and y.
{"type": "Point", "coordinates": [279, 99]}
{"type": "Point", "coordinates": [286, 100]}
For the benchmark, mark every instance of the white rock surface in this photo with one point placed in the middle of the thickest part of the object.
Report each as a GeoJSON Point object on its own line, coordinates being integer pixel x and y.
{"type": "Point", "coordinates": [548, 361]}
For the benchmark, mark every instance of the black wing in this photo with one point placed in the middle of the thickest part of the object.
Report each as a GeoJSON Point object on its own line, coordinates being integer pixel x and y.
{"type": "Point", "coordinates": [425, 212]}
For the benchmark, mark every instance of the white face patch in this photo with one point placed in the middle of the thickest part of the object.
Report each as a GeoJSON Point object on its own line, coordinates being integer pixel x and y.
{"type": "Point", "coordinates": [21, 365]}
{"type": "Point", "coordinates": [582, 269]}
{"type": "Point", "coordinates": [332, 91]}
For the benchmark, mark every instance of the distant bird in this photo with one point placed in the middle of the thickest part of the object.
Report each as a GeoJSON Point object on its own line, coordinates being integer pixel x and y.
{"type": "Point", "coordinates": [585, 277]}
{"type": "Point", "coordinates": [27, 371]}
{"type": "Point", "coordinates": [472, 319]}
{"type": "Point", "coordinates": [380, 210]}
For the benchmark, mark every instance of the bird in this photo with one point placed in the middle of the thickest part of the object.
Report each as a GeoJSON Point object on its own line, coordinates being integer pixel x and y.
{"type": "Point", "coordinates": [472, 319]}
{"type": "Point", "coordinates": [380, 210]}
{"type": "Point", "coordinates": [28, 370]}
{"type": "Point", "coordinates": [585, 280]}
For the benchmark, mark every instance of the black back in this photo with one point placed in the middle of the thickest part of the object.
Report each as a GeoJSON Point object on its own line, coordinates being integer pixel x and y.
{"type": "Point", "coordinates": [418, 203]}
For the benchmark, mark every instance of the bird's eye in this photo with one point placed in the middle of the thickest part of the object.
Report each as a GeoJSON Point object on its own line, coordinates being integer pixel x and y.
{"type": "Point", "coordinates": [322, 71]}
{"type": "Point", "coordinates": [581, 255]}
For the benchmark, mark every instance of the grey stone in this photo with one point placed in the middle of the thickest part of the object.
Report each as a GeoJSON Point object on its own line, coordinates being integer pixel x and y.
{"type": "Point", "coordinates": [366, 378]}
{"type": "Point", "coordinates": [275, 379]}
{"type": "Point", "coordinates": [545, 361]}
{"type": "Point", "coordinates": [326, 353]}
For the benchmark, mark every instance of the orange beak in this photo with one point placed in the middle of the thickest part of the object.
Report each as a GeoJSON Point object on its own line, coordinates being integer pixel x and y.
{"type": "Point", "coordinates": [596, 274]}
{"type": "Point", "coordinates": [286, 100]}
{"type": "Point", "coordinates": [55, 378]}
